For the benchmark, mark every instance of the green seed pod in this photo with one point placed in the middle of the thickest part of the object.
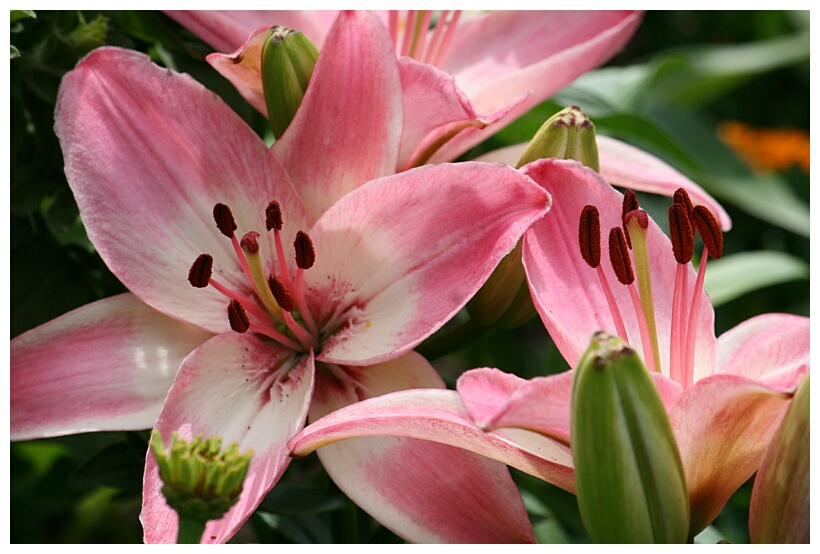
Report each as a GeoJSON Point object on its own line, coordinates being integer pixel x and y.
{"type": "Point", "coordinates": [629, 476]}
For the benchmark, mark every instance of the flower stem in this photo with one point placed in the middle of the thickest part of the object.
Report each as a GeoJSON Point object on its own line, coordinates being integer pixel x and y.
{"type": "Point", "coordinates": [190, 530]}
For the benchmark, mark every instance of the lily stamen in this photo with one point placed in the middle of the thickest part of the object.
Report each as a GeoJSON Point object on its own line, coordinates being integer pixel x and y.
{"type": "Point", "coordinates": [712, 237]}
{"type": "Point", "coordinates": [683, 247]}
{"type": "Point", "coordinates": [305, 258]}
{"type": "Point", "coordinates": [200, 276]}
{"type": "Point", "coordinates": [226, 224]}
{"type": "Point", "coordinates": [589, 238]}
{"type": "Point", "coordinates": [273, 222]}
{"type": "Point", "coordinates": [409, 34]}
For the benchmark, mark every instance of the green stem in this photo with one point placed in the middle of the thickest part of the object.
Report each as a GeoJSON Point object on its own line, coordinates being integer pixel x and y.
{"type": "Point", "coordinates": [190, 530]}
{"type": "Point", "coordinates": [454, 339]}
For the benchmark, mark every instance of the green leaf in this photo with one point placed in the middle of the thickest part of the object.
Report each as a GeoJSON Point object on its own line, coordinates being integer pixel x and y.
{"type": "Point", "coordinates": [735, 275]}
{"type": "Point", "coordinates": [711, 72]}
{"type": "Point", "coordinates": [17, 15]}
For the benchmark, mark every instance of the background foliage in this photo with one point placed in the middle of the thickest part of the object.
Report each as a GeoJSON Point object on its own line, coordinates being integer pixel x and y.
{"type": "Point", "coordinates": [671, 92]}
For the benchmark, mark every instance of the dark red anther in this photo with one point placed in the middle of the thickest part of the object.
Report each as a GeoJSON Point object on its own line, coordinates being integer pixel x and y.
{"type": "Point", "coordinates": [630, 203]}
{"type": "Point", "coordinates": [709, 230]}
{"type": "Point", "coordinates": [589, 236]}
{"type": "Point", "coordinates": [280, 294]}
{"type": "Point", "coordinates": [619, 256]}
{"type": "Point", "coordinates": [682, 197]}
{"type": "Point", "coordinates": [200, 273]}
{"type": "Point", "coordinates": [681, 233]}
{"type": "Point", "coordinates": [273, 216]}
{"type": "Point", "coordinates": [250, 242]}
{"type": "Point", "coordinates": [237, 317]}
{"type": "Point", "coordinates": [224, 220]}
{"type": "Point", "coordinates": [305, 254]}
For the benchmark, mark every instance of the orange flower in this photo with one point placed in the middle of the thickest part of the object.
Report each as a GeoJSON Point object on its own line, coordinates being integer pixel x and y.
{"type": "Point", "coordinates": [767, 150]}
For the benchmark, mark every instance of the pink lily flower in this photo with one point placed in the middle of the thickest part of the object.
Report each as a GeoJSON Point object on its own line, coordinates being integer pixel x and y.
{"type": "Point", "coordinates": [478, 70]}
{"type": "Point", "coordinates": [725, 397]}
{"type": "Point", "coordinates": [318, 305]}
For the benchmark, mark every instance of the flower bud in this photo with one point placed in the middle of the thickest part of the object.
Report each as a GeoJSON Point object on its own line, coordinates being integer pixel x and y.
{"type": "Point", "coordinates": [200, 482]}
{"type": "Point", "coordinates": [288, 58]}
{"type": "Point", "coordinates": [629, 476]}
{"type": "Point", "coordinates": [779, 511]}
{"type": "Point", "coordinates": [568, 135]}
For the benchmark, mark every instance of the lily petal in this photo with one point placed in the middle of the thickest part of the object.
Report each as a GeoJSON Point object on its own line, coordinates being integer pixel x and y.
{"type": "Point", "coordinates": [625, 166]}
{"type": "Point", "coordinates": [403, 254]}
{"type": "Point", "coordinates": [228, 388]}
{"type": "Point", "coordinates": [225, 30]}
{"type": "Point", "coordinates": [496, 399]}
{"type": "Point", "coordinates": [354, 97]}
{"type": "Point", "coordinates": [409, 485]}
{"type": "Point", "coordinates": [771, 348]}
{"type": "Point", "coordinates": [559, 276]}
{"type": "Point", "coordinates": [102, 367]}
{"type": "Point", "coordinates": [499, 69]}
{"type": "Point", "coordinates": [723, 425]}
{"type": "Point", "coordinates": [145, 141]}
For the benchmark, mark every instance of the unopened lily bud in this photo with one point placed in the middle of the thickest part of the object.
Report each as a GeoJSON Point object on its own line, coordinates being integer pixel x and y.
{"type": "Point", "coordinates": [628, 472]}
{"type": "Point", "coordinates": [779, 511]}
{"type": "Point", "coordinates": [201, 482]}
{"type": "Point", "coordinates": [288, 58]}
{"type": "Point", "coordinates": [568, 135]}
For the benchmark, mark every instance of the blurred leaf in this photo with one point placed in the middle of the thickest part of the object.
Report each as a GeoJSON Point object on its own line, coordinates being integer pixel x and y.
{"type": "Point", "coordinates": [118, 465]}
{"type": "Point", "coordinates": [710, 72]}
{"type": "Point", "coordinates": [301, 498]}
{"type": "Point", "coordinates": [306, 529]}
{"type": "Point", "coordinates": [735, 275]}
{"type": "Point", "coordinates": [41, 455]}
{"type": "Point", "coordinates": [17, 15]}
{"type": "Point", "coordinates": [766, 197]}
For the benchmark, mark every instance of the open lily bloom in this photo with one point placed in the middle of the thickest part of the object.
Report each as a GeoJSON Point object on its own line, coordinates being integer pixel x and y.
{"type": "Point", "coordinates": [478, 69]}
{"type": "Point", "coordinates": [725, 397]}
{"type": "Point", "coordinates": [341, 269]}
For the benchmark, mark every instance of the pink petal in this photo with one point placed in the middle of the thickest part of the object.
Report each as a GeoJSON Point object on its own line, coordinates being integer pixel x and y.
{"type": "Point", "coordinates": [434, 108]}
{"type": "Point", "coordinates": [423, 491]}
{"type": "Point", "coordinates": [102, 367]}
{"type": "Point", "coordinates": [228, 388]}
{"type": "Point", "coordinates": [626, 166]}
{"type": "Point", "coordinates": [347, 130]}
{"type": "Point", "coordinates": [541, 404]}
{"type": "Point", "coordinates": [148, 154]}
{"type": "Point", "coordinates": [771, 348]}
{"type": "Point", "coordinates": [568, 293]}
{"type": "Point", "coordinates": [401, 255]}
{"type": "Point", "coordinates": [225, 30]}
{"type": "Point", "coordinates": [243, 68]}
{"type": "Point", "coordinates": [723, 425]}
{"type": "Point", "coordinates": [519, 59]}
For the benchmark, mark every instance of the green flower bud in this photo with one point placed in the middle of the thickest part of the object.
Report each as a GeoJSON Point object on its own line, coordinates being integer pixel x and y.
{"type": "Point", "coordinates": [629, 476]}
{"type": "Point", "coordinates": [779, 512]}
{"type": "Point", "coordinates": [288, 58]}
{"type": "Point", "coordinates": [200, 482]}
{"type": "Point", "coordinates": [568, 135]}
